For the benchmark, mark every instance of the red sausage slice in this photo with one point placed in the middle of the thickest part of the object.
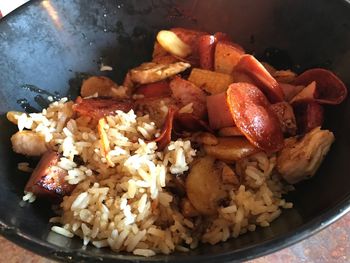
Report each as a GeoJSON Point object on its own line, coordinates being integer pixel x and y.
{"type": "Point", "coordinates": [219, 114]}
{"type": "Point", "coordinates": [206, 49]}
{"type": "Point", "coordinates": [100, 107]}
{"type": "Point", "coordinates": [165, 136]}
{"type": "Point", "coordinates": [330, 89]}
{"type": "Point", "coordinates": [154, 90]}
{"type": "Point", "coordinates": [252, 114]}
{"type": "Point", "coordinates": [308, 114]}
{"type": "Point", "coordinates": [249, 65]}
{"type": "Point", "coordinates": [47, 180]}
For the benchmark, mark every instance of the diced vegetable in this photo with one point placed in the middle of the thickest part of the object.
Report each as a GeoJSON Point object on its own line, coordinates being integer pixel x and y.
{"type": "Point", "coordinates": [173, 44]}
{"type": "Point", "coordinates": [263, 79]}
{"type": "Point", "coordinates": [204, 138]}
{"type": "Point", "coordinates": [226, 56]}
{"type": "Point", "coordinates": [210, 81]}
{"type": "Point", "coordinates": [219, 114]}
{"type": "Point", "coordinates": [284, 76]}
{"type": "Point", "coordinates": [231, 149]}
{"type": "Point", "coordinates": [252, 114]}
{"type": "Point", "coordinates": [329, 88]}
{"type": "Point", "coordinates": [190, 37]}
{"type": "Point", "coordinates": [204, 186]}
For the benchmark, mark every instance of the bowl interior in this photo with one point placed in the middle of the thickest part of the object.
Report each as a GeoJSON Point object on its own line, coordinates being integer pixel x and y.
{"type": "Point", "coordinates": [48, 47]}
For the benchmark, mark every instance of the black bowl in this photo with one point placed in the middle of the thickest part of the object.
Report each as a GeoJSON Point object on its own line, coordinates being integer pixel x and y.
{"type": "Point", "coordinates": [47, 47]}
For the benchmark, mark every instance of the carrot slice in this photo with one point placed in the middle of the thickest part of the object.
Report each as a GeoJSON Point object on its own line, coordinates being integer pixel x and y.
{"type": "Point", "coordinates": [105, 145]}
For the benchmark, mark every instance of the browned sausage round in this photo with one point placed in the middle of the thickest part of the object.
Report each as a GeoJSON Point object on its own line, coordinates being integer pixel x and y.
{"type": "Point", "coordinates": [253, 116]}
{"type": "Point", "coordinates": [329, 88]}
{"type": "Point", "coordinates": [254, 69]}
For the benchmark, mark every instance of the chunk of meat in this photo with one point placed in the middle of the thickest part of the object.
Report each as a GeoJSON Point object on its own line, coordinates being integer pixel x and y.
{"type": "Point", "coordinates": [186, 92]}
{"type": "Point", "coordinates": [47, 179]}
{"type": "Point", "coordinates": [29, 143]}
{"type": "Point", "coordinates": [219, 113]}
{"type": "Point", "coordinates": [285, 114]}
{"type": "Point", "coordinates": [157, 108]}
{"type": "Point", "coordinates": [204, 186]}
{"type": "Point", "coordinates": [249, 65]}
{"type": "Point", "coordinates": [231, 149]}
{"type": "Point", "coordinates": [330, 89]}
{"type": "Point", "coordinates": [206, 49]}
{"type": "Point", "coordinates": [308, 114]}
{"type": "Point", "coordinates": [253, 115]}
{"type": "Point", "coordinates": [154, 90]}
{"type": "Point", "coordinates": [98, 108]}
{"type": "Point", "coordinates": [301, 157]}
{"type": "Point", "coordinates": [153, 72]}
{"type": "Point", "coordinates": [104, 87]}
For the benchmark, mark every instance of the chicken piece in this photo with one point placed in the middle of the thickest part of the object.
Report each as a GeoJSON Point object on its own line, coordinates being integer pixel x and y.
{"type": "Point", "coordinates": [153, 72]}
{"type": "Point", "coordinates": [29, 143]}
{"type": "Point", "coordinates": [301, 157]}
{"type": "Point", "coordinates": [285, 114]}
{"type": "Point", "coordinates": [204, 186]}
{"type": "Point", "coordinates": [48, 180]}
{"type": "Point", "coordinates": [186, 92]}
{"type": "Point", "coordinates": [157, 108]}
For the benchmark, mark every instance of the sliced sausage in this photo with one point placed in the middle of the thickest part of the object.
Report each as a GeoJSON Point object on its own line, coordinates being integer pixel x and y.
{"type": "Point", "coordinates": [250, 65]}
{"type": "Point", "coordinates": [98, 108]}
{"type": "Point", "coordinates": [47, 179]}
{"type": "Point", "coordinates": [330, 89]}
{"type": "Point", "coordinates": [252, 114]}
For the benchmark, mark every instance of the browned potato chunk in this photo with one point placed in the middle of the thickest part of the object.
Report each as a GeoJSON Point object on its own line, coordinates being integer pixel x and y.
{"type": "Point", "coordinates": [230, 131]}
{"type": "Point", "coordinates": [204, 186]}
{"type": "Point", "coordinates": [210, 81]}
{"type": "Point", "coordinates": [231, 149]}
{"type": "Point", "coordinates": [188, 209]}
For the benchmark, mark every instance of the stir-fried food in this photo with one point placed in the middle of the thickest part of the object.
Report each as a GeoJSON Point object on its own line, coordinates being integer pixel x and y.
{"type": "Point", "coordinates": [197, 146]}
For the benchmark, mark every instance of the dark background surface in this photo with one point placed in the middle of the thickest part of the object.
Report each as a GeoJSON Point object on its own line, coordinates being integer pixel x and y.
{"type": "Point", "coordinates": [47, 47]}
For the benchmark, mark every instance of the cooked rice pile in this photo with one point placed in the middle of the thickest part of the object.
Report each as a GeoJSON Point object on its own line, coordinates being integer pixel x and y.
{"type": "Point", "coordinates": [121, 199]}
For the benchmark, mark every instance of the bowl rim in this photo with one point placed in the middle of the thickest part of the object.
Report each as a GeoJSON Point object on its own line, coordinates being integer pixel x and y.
{"type": "Point", "coordinates": [304, 231]}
